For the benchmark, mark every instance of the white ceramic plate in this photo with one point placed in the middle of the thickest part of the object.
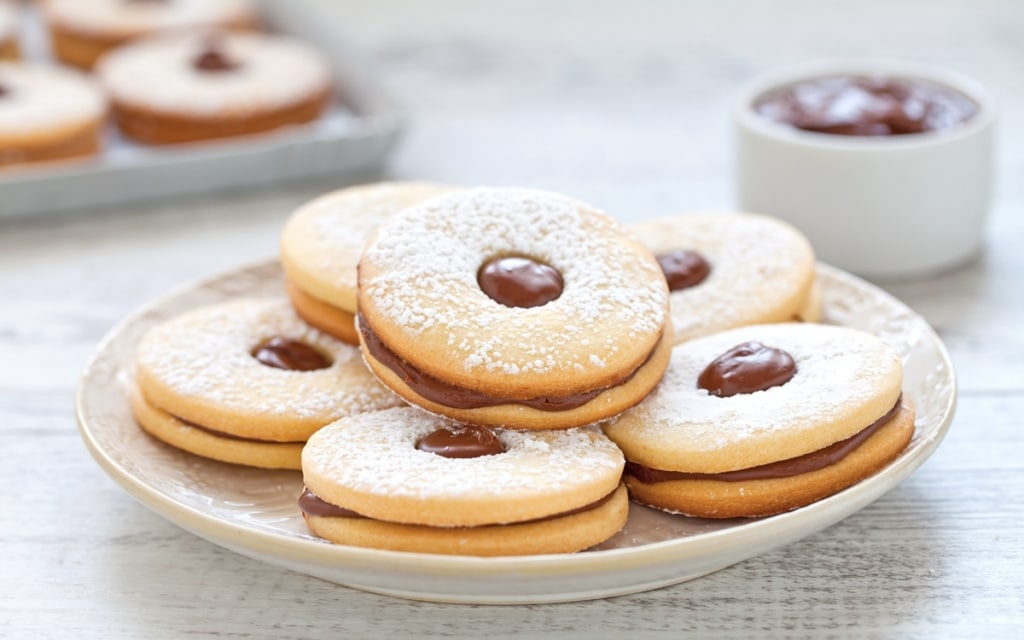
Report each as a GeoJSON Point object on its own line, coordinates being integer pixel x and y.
{"type": "Point", "coordinates": [254, 512]}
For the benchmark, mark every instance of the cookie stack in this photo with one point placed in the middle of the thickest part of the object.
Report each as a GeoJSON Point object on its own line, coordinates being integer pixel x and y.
{"type": "Point", "coordinates": [512, 321]}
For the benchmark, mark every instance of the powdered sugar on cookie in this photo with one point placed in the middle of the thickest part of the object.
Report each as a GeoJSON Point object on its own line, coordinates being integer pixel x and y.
{"type": "Point", "coordinates": [376, 454]}
{"type": "Point", "coordinates": [420, 275]}
{"type": "Point", "coordinates": [845, 380]}
{"type": "Point", "coordinates": [206, 355]}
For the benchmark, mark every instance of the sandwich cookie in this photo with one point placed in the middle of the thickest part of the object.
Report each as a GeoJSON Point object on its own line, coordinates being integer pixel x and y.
{"type": "Point", "coordinates": [764, 419]}
{"type": "Point", "coordinates": [247, 382]}
{"type": "Point", "coordinates": [185, 87]}
{"type": "Point", "coordinates": [323, 240]}
{"type": "Point", "coordinates": [731, 270]}
{"type": "Point", "coordinates": [81, 31]}
{"type": "Point", "coordinates": [48, 113]}
{"type": "Point", "coordinates": [8, 31]}
{"type": "Point", "coordinates": [406, 480]}
{"type": "Point", "coordinates": [513, 307]}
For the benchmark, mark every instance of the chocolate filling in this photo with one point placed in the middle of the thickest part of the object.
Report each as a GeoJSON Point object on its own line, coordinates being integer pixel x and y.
{"type": "Point", "coordinates": [782, 469]}
{"type": "Point", "coordinates": [464, 441]}
{"type": "Point", "coordinates": [313, 505]}
{"type": "Point", "coordinates": [683, 268]}
{"type": "Point", "coordinates": [747, 368]}
{"type": "Point", "coordinates": [231, 436]}
{"type": "Point", "coordinates": [290, 355]}
{"type": "Point", "coordinates": [515, 281]}
{"type": "Point", "coordinates": [458, 398]}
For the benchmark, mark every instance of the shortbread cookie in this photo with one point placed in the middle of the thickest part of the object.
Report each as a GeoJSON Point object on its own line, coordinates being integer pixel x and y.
{"type": "Point", "coordinates": [323, 240]}
{"type": "Point", "coordinates": [764, 419]}
{"type": "Point", "coordinates": [48, 113]}
{"type": "Point", "coordinates": [8, 31]}
{"type": "Point", "coordinates": [187, 87]}
{"type": "Point", "coordinates": [405, 480]}
{"type": "Point", "coordinates": [729, 270]}
{"type": "Point", "coordinates": [248, 382]}
{"type": "Point", "coordinates": [81, 31]}
{"type": "Point", "coordinates": [513, 307]}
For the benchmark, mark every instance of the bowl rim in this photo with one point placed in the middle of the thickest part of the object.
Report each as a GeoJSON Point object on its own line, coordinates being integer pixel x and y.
{"type": "Point", "coordinates": [753, 89]}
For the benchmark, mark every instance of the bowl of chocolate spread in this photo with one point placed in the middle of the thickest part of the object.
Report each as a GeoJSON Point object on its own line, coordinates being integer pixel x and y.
{"type": "Point", "coordinates": [885, 166]}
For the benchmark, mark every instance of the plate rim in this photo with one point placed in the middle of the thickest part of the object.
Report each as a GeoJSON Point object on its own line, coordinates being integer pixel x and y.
{"type": "Point", "coordinates": [280, 549]}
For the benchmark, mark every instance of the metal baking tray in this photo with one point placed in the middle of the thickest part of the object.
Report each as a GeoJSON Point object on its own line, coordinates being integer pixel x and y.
{"type": "Point", "coordinates": [353, 138]}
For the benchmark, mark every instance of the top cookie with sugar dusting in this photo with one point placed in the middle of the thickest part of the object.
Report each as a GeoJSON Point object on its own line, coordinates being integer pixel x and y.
{"type": "Point", "coordinates": [419, 292]}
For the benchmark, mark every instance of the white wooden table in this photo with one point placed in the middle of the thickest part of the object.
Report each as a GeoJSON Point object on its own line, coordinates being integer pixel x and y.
{"type": "Point", "coordinates": [623, 104]}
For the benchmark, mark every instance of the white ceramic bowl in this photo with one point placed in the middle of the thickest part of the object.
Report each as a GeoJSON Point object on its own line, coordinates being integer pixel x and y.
{"type": "Point", "coordinates": [882, 207]}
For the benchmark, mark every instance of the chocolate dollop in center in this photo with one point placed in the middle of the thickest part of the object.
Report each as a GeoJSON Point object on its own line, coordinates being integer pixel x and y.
{"type": "Point", "coordinates": [747, 368]}
{"type": "Point", "coordinates": [461, 442]}
{"type": "Point", "coordinates": [683, 268]}
{"type": "Point", "coordinates": [213, 59]}
{"type": "Point", "coordinates": [515, 281]}
{"type": "Point", "coordinates": [291, 355]}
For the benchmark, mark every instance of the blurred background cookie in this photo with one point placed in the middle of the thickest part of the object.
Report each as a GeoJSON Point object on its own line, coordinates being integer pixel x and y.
{"type": "Point", "coordinates": [732, 269]}
{"type": "Point", "coordinates": [83, 30]}
{"type": "Point", "coordinates": [323, 240]}
{"type": "Point", "coordinates": [189, 87]}
{"type": "Point", "coordinates": [48, 113]}
{"type": "Point", "coordinates": [8, 31]}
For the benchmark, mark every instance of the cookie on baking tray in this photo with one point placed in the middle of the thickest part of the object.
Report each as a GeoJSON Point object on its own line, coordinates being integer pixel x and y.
{"type": "Point", "coordinates": [185, 87]}
{"type": "Point", "coordinates": [247, 382]}
{"type": "Point", "coordinates": [512, 307]}
{"type": "Point", "coordinates": [732, 269]}
{"type": "Point", "coordinates": [764, 419]}
{"type": "Point", "coordinates": [48, 113]}
{"type": "Point", "coordinates": [81, 31]}
{"type": "Point", "coordinates": [321, 244]}
{"type": "Point", "coordinates": [406, 480]}
{"type": "Point", "coordinates": [9, 49]}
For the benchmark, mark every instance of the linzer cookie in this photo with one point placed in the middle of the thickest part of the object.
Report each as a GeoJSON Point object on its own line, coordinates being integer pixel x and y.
{"type": "Point", "coordinates": [48, 113]}
{"type": "Point", "coordinates": [730, 270]}
{"type": "Point", "coordinates": [81, 31]}
{"type": "Point", "coordinates": [513, 307]}
{"type": "Point", "coordinates": [764, 419]}
{"type": "Point", "coordinates": [248, 382]}
{"type": "Point", "coordinates": [323, 240]}
{"type": "Point", "coordinates": [8, 31]}
{"type": "Point", "coordinates": [188, 87]}
{"type": "Point", "coordinates": [405, 480]}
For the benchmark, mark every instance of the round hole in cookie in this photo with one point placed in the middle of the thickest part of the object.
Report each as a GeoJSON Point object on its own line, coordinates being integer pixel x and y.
{"type": "Point", "coordinates": [683, 268]}
{"type": "Point", "coordinates": [747, 368]}
{"type": "Point", "coordinates": [520, 281]}
{"type": "Point", "coordinates": [290, 355]}
{"type": "Point", "coordinates": [461, 442]}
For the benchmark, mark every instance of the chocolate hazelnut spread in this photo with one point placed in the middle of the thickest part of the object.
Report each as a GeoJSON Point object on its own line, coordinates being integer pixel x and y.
{"type": "Point", "coordinates": [214, 59]}
{"type": "Point", "coordinates": [516, 281]}
{"type": "Point", "coordinates": [683, 268]}
{"type": "Point", "coordinates": [783, 469]}
{"type": "Point", "coordinates": [461, 442]}
{"type": "Point", "coordinates": [313, 505]}
{"type": "Point", "coordinates": [229, 436]}
{"type": "Point", "coordinates": [867, 106]}
{"type": "Point", "coordinates": [747, 368]}
{"type": "Point", "coordinates": [451, 396]}
{"type": "Point", "coordinates": [291, 355]}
